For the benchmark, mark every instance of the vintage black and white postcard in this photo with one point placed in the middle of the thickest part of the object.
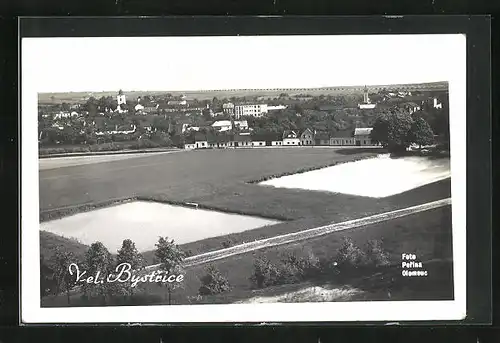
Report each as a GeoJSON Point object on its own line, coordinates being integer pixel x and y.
{"type": "Point", "coordinates": [286, 178]}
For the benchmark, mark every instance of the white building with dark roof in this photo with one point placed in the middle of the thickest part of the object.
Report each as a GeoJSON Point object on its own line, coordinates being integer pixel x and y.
{"type": "Point", "coordinates": [228, 108]}
{"type": "Point", "coordinates": [241, 124]}
{"type": "Point", "coordinates": [291, 137]}
{"type": "Point", "coordinates": [222, 125]}
{"type": "Point", "coordinates": [254, 110]}
{"type": "Point", "coordinates": [362, 136]}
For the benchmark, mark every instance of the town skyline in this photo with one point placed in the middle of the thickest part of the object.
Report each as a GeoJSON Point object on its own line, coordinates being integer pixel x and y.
{"type": "Point", "coordinates": [437, 83]}
{"type": "Point", "coordinates": [74, 97]}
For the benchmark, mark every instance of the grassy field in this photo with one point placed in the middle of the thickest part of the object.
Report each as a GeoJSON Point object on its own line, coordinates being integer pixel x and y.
{"type": "Point", "coordinates": [222, 180]}
{"type": "Point", "coordinates": [321, 210]}
{"type": "Point", "coordinates": [179, 178]}
{"type": "Point", "coordinates": [427, 235]}
{"type": "Point", "coordinates": [74, 97]}
{"type": "Point", "coordinates": [186, 176]}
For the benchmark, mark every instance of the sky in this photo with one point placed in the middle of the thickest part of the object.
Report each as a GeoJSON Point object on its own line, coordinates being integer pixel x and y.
{"type": "Point", "coordinates": [235, 62]}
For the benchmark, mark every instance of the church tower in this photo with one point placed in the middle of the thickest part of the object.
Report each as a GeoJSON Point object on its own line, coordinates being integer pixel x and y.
{"type": "Point", "coordinates": [366, 100]}
{"type": "Point", "coordinates": [121, 100]}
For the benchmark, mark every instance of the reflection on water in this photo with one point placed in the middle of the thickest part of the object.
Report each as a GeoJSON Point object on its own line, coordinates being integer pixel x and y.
{"type": "Point", "coordinates": [375, 177]}
{"type": "Point", "coordinates": [144, 222]}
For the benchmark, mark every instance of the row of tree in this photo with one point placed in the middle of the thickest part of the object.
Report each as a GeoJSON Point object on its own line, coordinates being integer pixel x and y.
{"type": "Point", "coordinates": [350, 260]}
{"type": "Point", "coordinates": [56, 277]}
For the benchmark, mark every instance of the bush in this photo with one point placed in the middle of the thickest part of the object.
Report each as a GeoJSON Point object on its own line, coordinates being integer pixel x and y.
{"type": "Point", "coordinates": [47, 282]}
{"type": "Point", "coordinates": [227, 243]}
{"type": "Point", "coordinates": [265, 273]}
{"type": "Point", "coordinates": [350, 259]}
{"type": "Point", "coordinates": [295, 269]}
{"type": "Point", "coordinates": [291, 270]}
{"type": "Point", "coordinates": [213, 282]}
{"type": "Point", "coordinates": [350, 255]}
{"type": "Point", "coordinates": [312, 266]}
{"type": "Point", "coordinates": [375, 254]}
{"type": "Point", "coordinates": [105, 147]}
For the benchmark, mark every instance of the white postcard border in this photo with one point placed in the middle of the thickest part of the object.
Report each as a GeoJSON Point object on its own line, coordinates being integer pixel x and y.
{"type": "Point", "coordinates": [32, 312]}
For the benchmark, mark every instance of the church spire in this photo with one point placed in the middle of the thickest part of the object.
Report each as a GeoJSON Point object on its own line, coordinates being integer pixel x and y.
{"type": "Point", "coordinates": [366, 100]}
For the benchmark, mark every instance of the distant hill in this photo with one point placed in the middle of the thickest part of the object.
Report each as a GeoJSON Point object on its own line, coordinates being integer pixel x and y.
{"type": "Point", "coordinates": [73, 97]}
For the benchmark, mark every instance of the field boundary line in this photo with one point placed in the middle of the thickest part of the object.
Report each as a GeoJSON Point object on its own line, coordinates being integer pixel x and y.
{"type": "Point", "coordinates": [106, 153]}
{"type": "Point", "coordinates": [308, 234]}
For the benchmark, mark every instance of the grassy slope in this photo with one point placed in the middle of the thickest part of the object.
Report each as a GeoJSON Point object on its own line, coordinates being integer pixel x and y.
{"type": "Point", "coordinates": [427, 234]}
{"type": "Point", "coordinates": [49, 241]}
{"type": "Point", "coordinates": [384, 285]}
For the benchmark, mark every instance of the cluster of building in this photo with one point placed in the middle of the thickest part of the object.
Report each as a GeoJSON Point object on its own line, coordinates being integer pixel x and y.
{"type": "Point", "coordinates": [219, 126]}
{"type": "Point", "coordinates": [307, 137]}
{"type": "Point", "coordinates": [252, 110]}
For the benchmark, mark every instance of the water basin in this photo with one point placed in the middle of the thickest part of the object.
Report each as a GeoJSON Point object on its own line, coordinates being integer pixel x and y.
{"type": "Point", "coordinates": [143, 222]}
{"type": "Point", "coordinates": [374, 177]}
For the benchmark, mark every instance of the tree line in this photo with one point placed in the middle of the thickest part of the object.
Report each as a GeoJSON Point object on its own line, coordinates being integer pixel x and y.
{"type": "Point", "coordinates": [58, 278]}
{"type": "Point", "coordinates": [396, 130]}
{"type": "Point", "coordinates": [349, 261]}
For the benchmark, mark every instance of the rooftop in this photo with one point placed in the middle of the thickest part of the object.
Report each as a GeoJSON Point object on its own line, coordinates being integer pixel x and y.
{"type": "Point", "coordinates": [322, 135]}
{"type": "Point", "coordinates": [290, 134]}
{"type": "Point", "coordinates": [222, 123]}
{"type": "Point", "coordinates": [267, 137]}
{"type": "Point", "coordinates": [362, 131]}
{"type": "Point", "coordinates": [242, 138]}
{"type": "Point", "coordinates": [343, 134]}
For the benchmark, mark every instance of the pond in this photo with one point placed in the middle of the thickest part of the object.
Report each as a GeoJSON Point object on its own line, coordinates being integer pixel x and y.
{"type": "Point", "coordinates": [377, 177]}
{"type": "Point", "coordinates": [143, 222]}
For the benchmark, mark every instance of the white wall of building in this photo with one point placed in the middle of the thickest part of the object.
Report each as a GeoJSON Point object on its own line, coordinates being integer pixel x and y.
{"type": "Point", "coordinates": [121, 99]}
{"type": "Point", "coordinates": [437, 104]}
{"type": "Point", "coordinates": [291, 141]}
{"type": "Point", "coordinates": [342, 141]}
{"type": "Point", "coordinates": [274, 108]}
{"type": "Point", "coordinates": [366, 106]}
{"type": "Point", "coordinates": [364, 139]}
{"type": "Point", "coordinates": [307, 138]}
{"type": "Point", "coordinates": [256, 110]}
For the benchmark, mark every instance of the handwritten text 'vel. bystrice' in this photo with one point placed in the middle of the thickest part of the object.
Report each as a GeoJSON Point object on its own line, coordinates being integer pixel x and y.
{"type": "Point", "coordinates": [124, 273]}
